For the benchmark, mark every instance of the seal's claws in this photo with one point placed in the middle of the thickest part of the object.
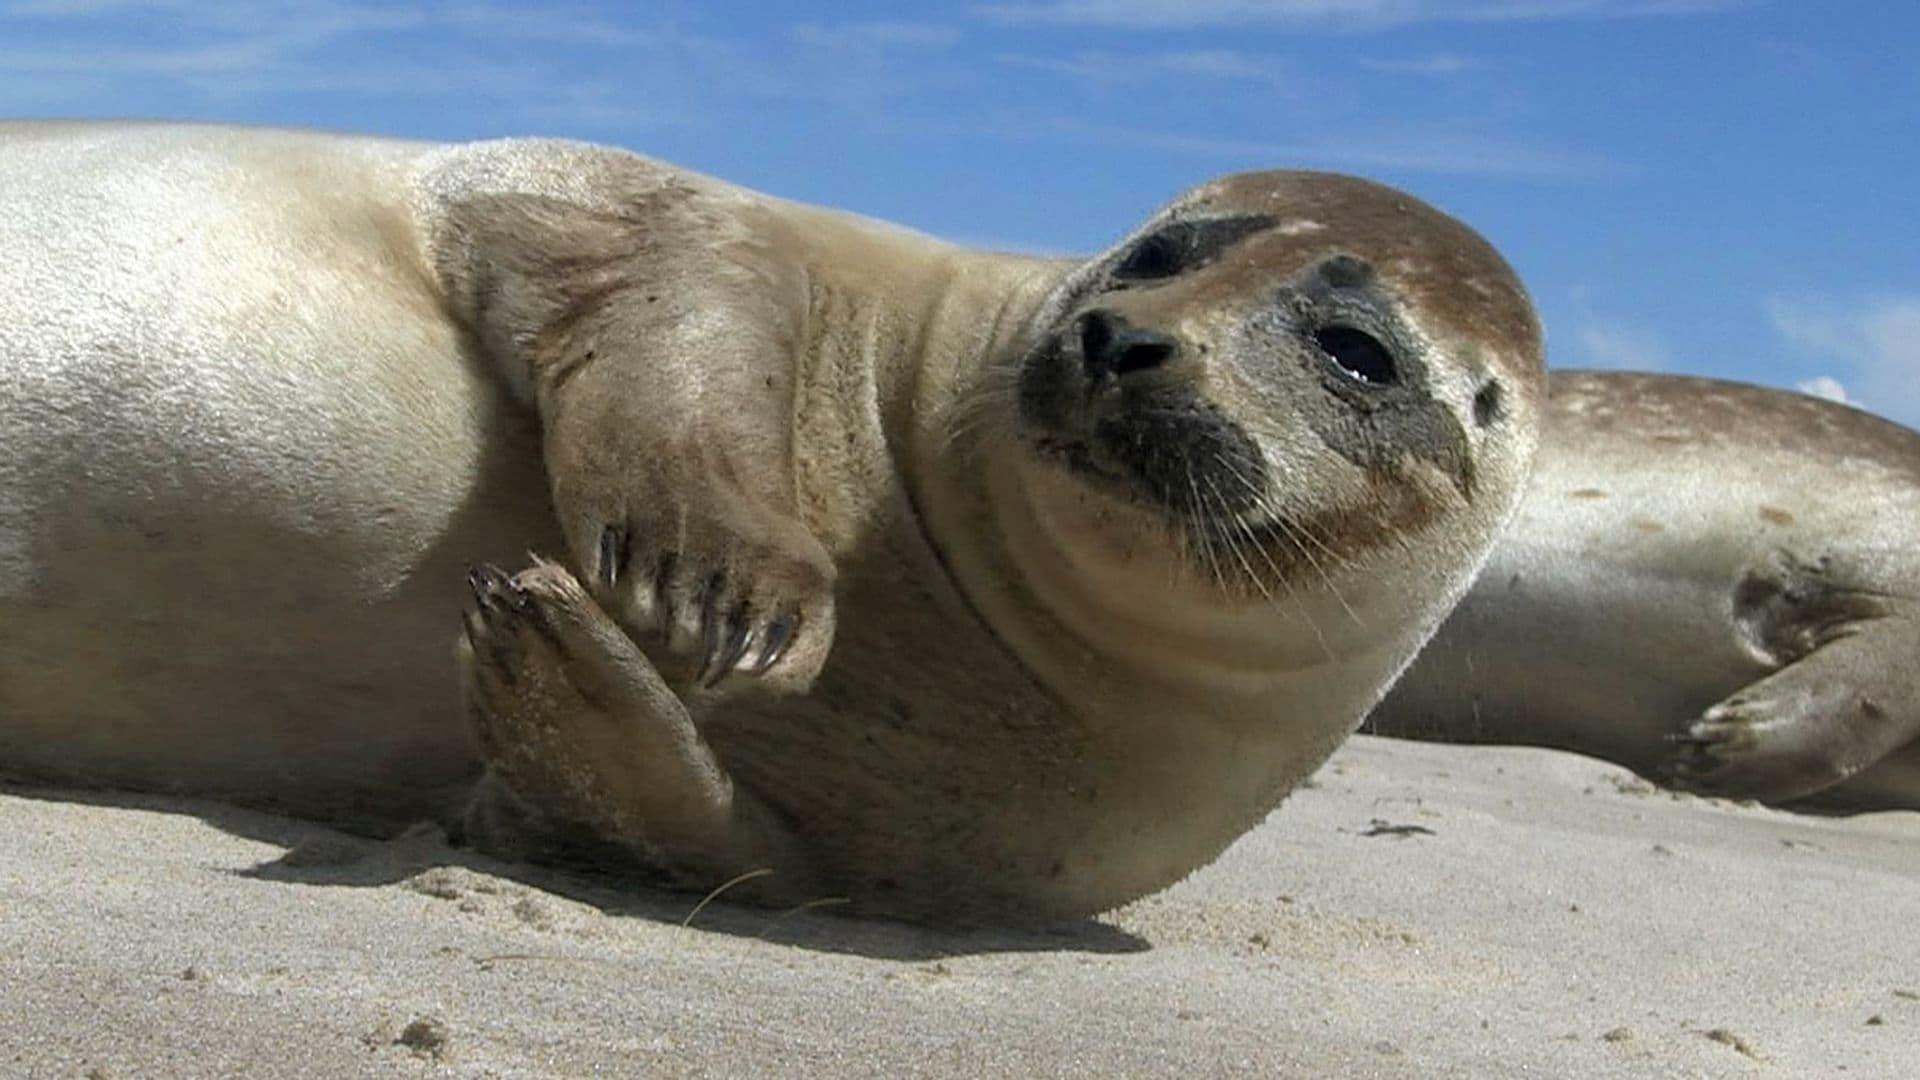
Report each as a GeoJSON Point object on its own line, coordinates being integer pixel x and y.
{"type": "Point", "coordinates": [712, 625]}
{"type": "Point", "coordinates": [1703, 775]}
{"type": "Point", "coordinates": [488, 631]}
{"type": "Point", "coordinates": [613, 554]}
{"type": "Point", "coordinates": [485, 578]}
{"type": "Point", "coordinates": [779, 636]}
{"type": "Point", "coordinates": [750, 638]}
{"type": "Point", "coordinates": [710, 648]}
{"type": "Point", "coordinates": [662, 589]}
{"type": "Point", "coordinates": [722, 663]}
{"type": "Point", "coordinates": [492, 589]}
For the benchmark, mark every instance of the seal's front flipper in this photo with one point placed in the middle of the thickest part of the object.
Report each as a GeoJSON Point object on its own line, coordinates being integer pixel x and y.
{"type": "Point", "coordinates": [1813, 723]}
{"type": "Point", "coordinates": [662, 343]}
{"type": "Point", "coordinates": [574, 721]}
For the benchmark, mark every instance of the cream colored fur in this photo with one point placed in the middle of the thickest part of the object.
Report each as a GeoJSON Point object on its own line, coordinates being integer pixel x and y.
{"type": "Point", "coordinates": [268, 394]}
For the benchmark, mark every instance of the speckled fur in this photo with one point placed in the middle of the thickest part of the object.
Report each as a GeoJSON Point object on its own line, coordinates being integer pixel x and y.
{"type": "Point", "coordinates": [1712, 583]}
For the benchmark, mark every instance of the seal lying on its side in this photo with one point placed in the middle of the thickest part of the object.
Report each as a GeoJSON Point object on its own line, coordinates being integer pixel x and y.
{"type": "Point", "coordinates": [1710, 583]}
{"type": "Point", "coordinates": [1109, 555]}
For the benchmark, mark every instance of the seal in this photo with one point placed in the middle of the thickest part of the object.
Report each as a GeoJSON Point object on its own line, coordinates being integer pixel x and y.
{"type": "Point", "coordinates": [955, 584]}
{"type": "Point", "coordinates": [1713, 584]}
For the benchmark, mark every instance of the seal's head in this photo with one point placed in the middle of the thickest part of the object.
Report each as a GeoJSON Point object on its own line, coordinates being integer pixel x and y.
{"type": "Point", "coordinates": [1312, 385]}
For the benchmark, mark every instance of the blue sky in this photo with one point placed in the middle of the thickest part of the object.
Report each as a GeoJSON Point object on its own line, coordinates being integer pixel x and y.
{"type": "Point", "coordinates": [1727, 187]}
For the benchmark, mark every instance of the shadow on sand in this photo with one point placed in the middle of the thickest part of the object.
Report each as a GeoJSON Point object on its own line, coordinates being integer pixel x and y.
{"type": "Point", "coordinates": [314, 854]}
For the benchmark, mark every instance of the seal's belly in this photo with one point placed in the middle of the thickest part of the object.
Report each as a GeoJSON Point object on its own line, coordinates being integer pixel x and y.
{"type": "Point", "coordinates": [225, 631]}
{"type": "Point", "coordinates": [244, 460]}
{"type": "Point", "coordinates": [209, 647]}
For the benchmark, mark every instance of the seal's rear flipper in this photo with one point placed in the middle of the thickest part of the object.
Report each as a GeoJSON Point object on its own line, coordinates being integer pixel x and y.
{"type": "Point", "coordinates": [576, 724]}
{"type": "Point", "coordinates": [1815, 722]}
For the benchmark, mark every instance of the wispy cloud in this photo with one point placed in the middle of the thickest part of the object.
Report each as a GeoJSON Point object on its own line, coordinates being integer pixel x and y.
{"type": "Point", "coordinates": [1463, 153]}
{"type": "Point", "coordinates": [292, 46]}
{"type": "Point", "coordinates": [882, 34]}
{"type": "Point", "coordinates": [539, 25]}
{"type": "Point", "coordinates": [1123, 68]}
{"type": "Point", "coordinates": [564, 63]}
{"type": "Point", "coordinates": [865, 67]}
{"type": "Point", "coordinates": [1434, 64]}
{"type": "Point", "coordinates": [1619, 345]}
{"type": "Point", "coordinates": [309, 20]}
{"type": "Point", "coordinates": [1874, 343]}
{"type": "Point", "coordinates": [204, 60]}
{"type": "Point", "coordinates": [1825, 386]}
{"type": "Point", "coordinates": [1331, 14]}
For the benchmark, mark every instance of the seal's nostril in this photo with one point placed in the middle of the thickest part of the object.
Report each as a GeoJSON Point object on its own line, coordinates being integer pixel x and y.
{"type": "Point", "coordinates": [1486, 404]}
{"type": "Point", "coordinates": [1142, 355]}
{"type": "Point", "coordinates": [1096, 334]}
{"type": "Point", "coordinates": [1108, 346]}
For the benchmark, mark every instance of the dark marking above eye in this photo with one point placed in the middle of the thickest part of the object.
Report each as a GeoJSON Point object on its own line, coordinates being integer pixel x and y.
{"type": "Point", "coordinates": [1358, 355]}
{"type": "Point", "coordinates": [1175, 248]}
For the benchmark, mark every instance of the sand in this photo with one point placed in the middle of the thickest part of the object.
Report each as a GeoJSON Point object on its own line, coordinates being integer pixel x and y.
{"type": "Point", "coordinates": [1420, 911]}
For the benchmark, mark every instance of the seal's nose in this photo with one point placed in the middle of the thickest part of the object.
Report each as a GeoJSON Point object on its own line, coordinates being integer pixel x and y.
{"type": "Point", "coordinates": [1110, 346]}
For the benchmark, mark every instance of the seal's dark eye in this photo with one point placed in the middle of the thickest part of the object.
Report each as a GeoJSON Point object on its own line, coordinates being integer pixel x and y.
{"type": "Point", "coordinates": [1158, 256]}
{"type": "Point", "coordinates": [1358, 354]}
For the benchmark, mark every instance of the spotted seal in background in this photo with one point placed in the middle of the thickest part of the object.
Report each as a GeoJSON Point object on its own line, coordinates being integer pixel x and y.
{"type": "Point", "coordinates": [1711, 583]}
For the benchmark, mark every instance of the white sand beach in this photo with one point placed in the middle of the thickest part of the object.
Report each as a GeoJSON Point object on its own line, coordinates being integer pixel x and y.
{"type": "Point", "coordinates": [1420, 911]}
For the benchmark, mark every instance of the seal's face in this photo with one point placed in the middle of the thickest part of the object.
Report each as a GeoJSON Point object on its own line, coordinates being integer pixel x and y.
{"type": "Point", "coordinates": [1288, 369]}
